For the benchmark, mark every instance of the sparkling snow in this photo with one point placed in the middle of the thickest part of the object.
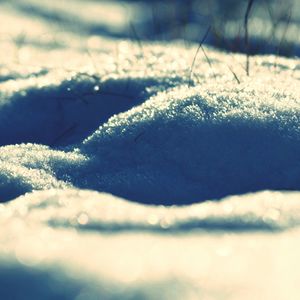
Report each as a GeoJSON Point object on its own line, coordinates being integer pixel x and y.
{"type": "Point", "coordinates": [126, 173]}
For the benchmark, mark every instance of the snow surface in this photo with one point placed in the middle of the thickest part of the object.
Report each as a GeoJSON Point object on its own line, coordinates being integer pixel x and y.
{"type": "Point", "coordinates": [179, 136]}
{"type": "Point", "coordinates": [139, 171]}
{"type": "Point", "coordinates": [78, 244]}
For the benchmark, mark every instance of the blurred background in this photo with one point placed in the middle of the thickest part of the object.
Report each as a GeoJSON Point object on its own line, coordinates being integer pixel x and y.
{"type": "Point", "coordinates": [273, 24]}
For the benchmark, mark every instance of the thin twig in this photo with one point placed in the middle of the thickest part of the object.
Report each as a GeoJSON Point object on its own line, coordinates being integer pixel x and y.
{"type": "Point", "coordinates": [195, 56]}
{"type": "Point", "coordinates": [246, 23]}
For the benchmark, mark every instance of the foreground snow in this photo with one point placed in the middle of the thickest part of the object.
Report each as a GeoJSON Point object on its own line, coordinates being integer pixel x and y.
{"type": "Point", "coordinates": [87, 245]}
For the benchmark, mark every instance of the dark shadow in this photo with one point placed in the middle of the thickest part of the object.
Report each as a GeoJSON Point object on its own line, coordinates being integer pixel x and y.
{"type": "Point", "coordinates": [176, 229]}
{"type": "Point", "coordinates": [21, 282]}
{"type": "Point", "coordinates": [68, 113]}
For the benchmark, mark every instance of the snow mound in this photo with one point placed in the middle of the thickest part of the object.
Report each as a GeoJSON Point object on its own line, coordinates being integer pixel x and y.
{"type": "Point", "coordinates": [196, 144]}
{"type": "Point", "coordinates": [151, 135]}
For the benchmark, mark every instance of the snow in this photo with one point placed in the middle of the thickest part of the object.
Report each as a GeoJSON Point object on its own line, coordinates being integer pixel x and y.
{"type": "Point", "coordinates": [189, 135]}
{"type": "Point", "coordinates": [175, 133]}
{"type": "Point", "coordinates": [137, 170]}
{"type": "Point", "coordinates": [77, 244]}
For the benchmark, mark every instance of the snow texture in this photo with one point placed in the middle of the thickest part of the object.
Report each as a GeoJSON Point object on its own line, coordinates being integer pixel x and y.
{"type": "Point", "coordinates": [142, 170]}
{"type": "Point", "coordinates": [178, 137]}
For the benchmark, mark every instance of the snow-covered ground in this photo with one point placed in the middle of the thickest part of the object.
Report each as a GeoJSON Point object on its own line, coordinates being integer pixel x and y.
{"type": "Point", "coordinates": [142, 170]}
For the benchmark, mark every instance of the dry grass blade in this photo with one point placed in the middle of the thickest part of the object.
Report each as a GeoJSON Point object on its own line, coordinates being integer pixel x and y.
{"type": "Point", "coordinates": [234, 75]}
{"type": "Point", "coordinates": [137, 38]}
{"type": "Point", "coordinates": [288, 21]}
{"type": "Point", "coordinates": [196, 54]}
{"type": "Point", "coordinates": [208, 60]}
{"type": "Point", "coordinates": [246, 22]}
